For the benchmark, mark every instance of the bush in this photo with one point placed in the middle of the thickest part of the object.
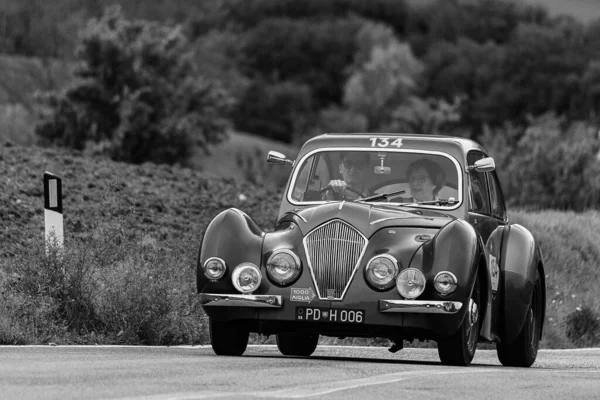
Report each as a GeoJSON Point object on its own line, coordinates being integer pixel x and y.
{"type": "Point", "coordinates": [583, 328]}
{"type": "Point", "coordinates": [552, 164]}
{"type": "Point", "coordinates": [139, 96]}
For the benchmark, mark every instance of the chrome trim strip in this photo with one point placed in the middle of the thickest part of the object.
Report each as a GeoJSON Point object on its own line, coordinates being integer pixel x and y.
{"type": "Point", "coordinates": [383, 219]}
{"type": "Point", "coordinates": [241, 300]}
{"type": "Point", "coordinates": [420, 306]}
{"type": "Point", "coordinates": [301, 217]}
{"type": "Point", "coordinates": [459, 169]}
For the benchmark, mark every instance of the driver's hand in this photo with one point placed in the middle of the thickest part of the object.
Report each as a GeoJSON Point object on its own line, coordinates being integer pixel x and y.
{"type": "Point", "coordinates": [337, 185]}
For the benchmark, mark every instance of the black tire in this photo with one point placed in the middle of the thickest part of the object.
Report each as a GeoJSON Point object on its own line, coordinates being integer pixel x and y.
{"type": "Point", "coordinates": [228, 338]}
{"type": "Point", "coordinates": [295, 344]}
{"type": "Point", "coordinates": [459, 349]}
{"type": "Point", "coordinates": [523, 351]}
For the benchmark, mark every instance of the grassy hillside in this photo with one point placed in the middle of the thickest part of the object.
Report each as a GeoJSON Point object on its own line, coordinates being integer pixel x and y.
{"type": "Point", "coordinates": [132, 236]}
{"type": "Point", "coordinates": [132, 239]}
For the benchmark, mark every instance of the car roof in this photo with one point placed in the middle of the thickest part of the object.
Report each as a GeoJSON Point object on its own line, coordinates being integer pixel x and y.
{"type": "Point", "coordinates": [409, 141]}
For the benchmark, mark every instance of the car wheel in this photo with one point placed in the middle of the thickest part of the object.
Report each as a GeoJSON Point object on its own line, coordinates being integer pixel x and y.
{"type": "Point", "coordinates": [523, 351]}
{"type": "Point", "coordinates": [228, 338]}
{"type": "Point", "coordinates": [294, 344]}
{"type": "Point", "coordinates": [459, 349]}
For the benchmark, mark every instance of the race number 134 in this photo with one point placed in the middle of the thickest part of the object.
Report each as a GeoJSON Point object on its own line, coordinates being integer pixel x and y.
{"type": "Point", "coordinates": [386, 142]}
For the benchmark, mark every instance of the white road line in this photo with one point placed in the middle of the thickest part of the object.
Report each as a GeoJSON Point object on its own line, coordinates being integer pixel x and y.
{"type": "Point", "coordinates": [312, 390]}
{"type": "Point", "coordinates": [330, 387]}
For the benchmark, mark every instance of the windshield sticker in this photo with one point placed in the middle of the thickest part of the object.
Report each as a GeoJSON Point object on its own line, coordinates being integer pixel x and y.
{"type": "Point", "coordinates": [386, 142]}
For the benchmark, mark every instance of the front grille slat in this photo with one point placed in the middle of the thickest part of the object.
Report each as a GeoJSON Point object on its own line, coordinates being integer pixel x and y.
{"type": "Point", "coordinates": [334, 250]}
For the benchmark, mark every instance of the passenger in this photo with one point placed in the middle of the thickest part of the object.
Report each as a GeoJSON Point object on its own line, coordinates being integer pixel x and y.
{"type": "Point", "coordinates": [425, 180]}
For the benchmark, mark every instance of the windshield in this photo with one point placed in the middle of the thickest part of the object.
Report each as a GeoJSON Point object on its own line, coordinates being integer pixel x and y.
{"type": "Point", "coordinates": [418, 178]}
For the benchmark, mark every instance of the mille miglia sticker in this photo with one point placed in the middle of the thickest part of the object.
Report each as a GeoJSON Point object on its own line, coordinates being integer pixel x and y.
{"type": "Point", "coordinates": [302, 295]}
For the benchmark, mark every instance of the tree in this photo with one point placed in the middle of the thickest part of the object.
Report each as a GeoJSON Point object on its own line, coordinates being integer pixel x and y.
{"type": "Point", "coordinates": [138, 96]}
{"type": "Point", "coordinates": [307, 52]}
{"type": "Point", "coordinates": [384, 76]}
{"type": "Point", "coordinates": [278, 111]}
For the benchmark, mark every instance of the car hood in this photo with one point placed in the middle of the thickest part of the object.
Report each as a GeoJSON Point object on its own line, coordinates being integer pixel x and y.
{"type": "Point", "coordinates": [367, 218]}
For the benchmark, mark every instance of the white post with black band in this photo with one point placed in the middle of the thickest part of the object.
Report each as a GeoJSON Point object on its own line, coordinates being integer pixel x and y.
{"type": "Point", "coordinates": [53, 210]}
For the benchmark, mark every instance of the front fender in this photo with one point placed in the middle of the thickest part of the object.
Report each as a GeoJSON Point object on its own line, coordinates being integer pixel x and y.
{"type": "Point", "coordinates": [519, 261]}
{"type": "Point", "coordinates": [233, 237]}
{"type": "Point", "coordinates": [454, 248]}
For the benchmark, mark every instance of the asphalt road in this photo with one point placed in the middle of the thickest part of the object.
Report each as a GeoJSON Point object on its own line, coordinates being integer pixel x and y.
{"type": "Point", "coordinates": [99, 372]}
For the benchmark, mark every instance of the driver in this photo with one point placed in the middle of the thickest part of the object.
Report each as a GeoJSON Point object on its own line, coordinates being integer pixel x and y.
{"type": "Point", "coordinates": [353, 167]}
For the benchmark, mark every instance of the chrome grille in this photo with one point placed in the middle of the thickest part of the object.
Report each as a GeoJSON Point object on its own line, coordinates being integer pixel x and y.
{"type": "Point", "coordinates": [333, 250]}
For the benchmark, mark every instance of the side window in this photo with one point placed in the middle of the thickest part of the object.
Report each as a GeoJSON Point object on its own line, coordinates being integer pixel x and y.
{"type": "Point", "coordinates": [496, 199]}
{"type": "Point", "coordinates": [314, 176]}
{"type": "Point", "coordinates": [302, 182]}
{"type": "Point", "coordinates": [480, 202]}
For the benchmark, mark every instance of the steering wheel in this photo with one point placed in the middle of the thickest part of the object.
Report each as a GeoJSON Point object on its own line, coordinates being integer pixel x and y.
{"type": "Point", "coordinates": [339, 196]}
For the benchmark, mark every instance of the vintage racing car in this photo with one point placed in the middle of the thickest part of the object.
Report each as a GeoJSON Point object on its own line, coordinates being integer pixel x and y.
{"type": "Point", "coordinates": [396, 236]}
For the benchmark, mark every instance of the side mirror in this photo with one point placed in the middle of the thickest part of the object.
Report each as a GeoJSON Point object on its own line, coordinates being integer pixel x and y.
{"type": "Point", "coordinates": [484, 165]}
{"type": "Point", "coordinates": [275, 157]}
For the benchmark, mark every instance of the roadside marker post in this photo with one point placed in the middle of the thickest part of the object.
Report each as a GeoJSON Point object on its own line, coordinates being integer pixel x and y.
{"type": "Point", "coordinates": [53, 211]}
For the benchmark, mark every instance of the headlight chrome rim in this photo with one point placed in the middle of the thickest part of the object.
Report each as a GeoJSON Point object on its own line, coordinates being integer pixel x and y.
{"type": "Point", "coordinates": [277, 279]}
{"type": "Point", "coordinates": [218, 260]}
{"type": "Point", "coordinates": [402, 289]}
{"type": "Point", "coordinates": [438, 289]}
{"type": "Point", "coordinates": [241, 268]}
{"type": "Point", "coordinates": [387, 285]}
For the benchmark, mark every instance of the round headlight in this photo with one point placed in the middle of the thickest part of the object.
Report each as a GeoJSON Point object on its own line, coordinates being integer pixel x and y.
{"type": "Point", "coordinates": [445, 282]}
{"type": "Point", "coordinates": [283, 267]}
{"type": "Point", "coordinates": [410, 283]}
{"type": "Point", "coordinates": [381, 271]}
{"type": "Point", "coordinates": [214, 268]}
{"type": "Point", "coordinates": [246, 278]}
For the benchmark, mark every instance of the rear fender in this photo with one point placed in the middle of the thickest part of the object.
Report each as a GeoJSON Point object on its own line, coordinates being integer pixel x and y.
{"type": "Point", "coordinates": [233, 237]}
{"type": "Point", "coordinates": [519, 260]}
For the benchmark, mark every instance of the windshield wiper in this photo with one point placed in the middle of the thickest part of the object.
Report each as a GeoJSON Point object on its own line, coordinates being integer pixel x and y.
{"type": "Point", "coordinates": [382, 195]}
{"type": "Point", "coordinates": [441, 202]}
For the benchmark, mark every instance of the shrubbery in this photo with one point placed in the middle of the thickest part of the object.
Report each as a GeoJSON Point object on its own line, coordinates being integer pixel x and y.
{"type": "Point", "coordinates": [139, 96]}
{"type": "Point", "coordinates": [552, 164]}
{"type": "Point", "coordinates": [583, 327]}
{"type": "Point", "coordinates": [112, 283]}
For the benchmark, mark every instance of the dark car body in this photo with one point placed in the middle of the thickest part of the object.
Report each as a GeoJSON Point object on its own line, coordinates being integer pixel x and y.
{"type": "Point", "coordinates": [497, 267]}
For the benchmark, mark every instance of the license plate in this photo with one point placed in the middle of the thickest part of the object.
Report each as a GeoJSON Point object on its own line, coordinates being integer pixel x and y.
{"type": "Point", "coordinates": [318, 314]}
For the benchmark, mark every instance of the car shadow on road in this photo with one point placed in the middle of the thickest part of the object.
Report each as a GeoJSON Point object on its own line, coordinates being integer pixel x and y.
{"type": "Point", "coordinates": [365, 360]}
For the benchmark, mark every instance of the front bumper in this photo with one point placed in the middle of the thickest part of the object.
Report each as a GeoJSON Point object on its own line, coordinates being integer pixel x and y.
{"type": "Point", "coordinates": [269, 314]}
{"type": "Point", "coordinates": [241, 300]}
{"type": "Point", "coordinates": [419, 306]}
